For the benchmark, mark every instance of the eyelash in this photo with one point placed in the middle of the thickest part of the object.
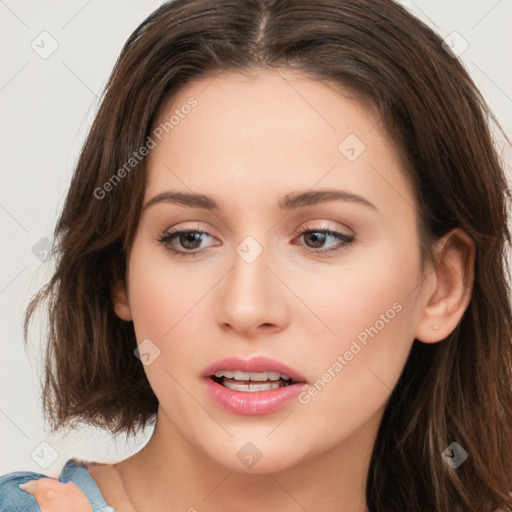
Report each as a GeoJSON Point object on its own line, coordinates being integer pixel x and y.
{"type": "Point", "coordinates": [169, 236]}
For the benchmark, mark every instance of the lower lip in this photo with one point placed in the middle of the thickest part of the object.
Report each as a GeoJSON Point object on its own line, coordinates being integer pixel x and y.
{"type": "Point", "coordinates": [252, 403]}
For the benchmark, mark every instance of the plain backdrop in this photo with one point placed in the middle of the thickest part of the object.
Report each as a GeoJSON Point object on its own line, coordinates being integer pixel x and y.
{"type": "Point", "coordinates": [55, 60]}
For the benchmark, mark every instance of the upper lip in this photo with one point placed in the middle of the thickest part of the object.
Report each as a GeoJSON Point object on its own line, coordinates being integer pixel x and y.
{"type": "Point", "coordinates": [255, 364]}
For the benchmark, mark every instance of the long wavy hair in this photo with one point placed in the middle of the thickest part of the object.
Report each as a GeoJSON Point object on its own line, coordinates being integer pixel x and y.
{"type": "Point", "coordinates": [459, 389]}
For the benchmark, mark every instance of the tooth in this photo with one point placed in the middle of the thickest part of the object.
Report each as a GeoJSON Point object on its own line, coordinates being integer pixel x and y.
{"type": "Point", "coordinates": [236, 387]}
{"type": "Point", "coordinates": [255, 376]}
{"type": "Point", "coordinates": [251, 387]}
{"type": "Point", "coordinates": [224, 373]}
{"type": "Point", "coordinates": [264, 387]}
{"type": "Point", "coordinates": [263, 376]}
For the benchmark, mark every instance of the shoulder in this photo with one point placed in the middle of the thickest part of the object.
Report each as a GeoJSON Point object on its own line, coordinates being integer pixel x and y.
{"type": "Point", "coordinates": [12, 498]}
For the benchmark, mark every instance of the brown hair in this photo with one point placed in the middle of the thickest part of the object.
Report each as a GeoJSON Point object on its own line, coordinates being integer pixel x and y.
{"type": "Point", "coordinates": [457, 390]}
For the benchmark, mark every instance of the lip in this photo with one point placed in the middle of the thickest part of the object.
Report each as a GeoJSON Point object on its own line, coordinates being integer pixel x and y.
{"type": "Point", "coordinates": [254, 402]}
{"type": "Point", "coordinates": [254, 365]}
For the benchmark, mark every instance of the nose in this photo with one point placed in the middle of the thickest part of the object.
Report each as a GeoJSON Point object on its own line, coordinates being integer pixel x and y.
{"type": "Point", "coordinates": [251, 300]}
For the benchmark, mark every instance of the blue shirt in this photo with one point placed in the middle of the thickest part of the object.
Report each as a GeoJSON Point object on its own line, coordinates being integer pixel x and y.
{"type": "Point", "coordinates": [13, 499]}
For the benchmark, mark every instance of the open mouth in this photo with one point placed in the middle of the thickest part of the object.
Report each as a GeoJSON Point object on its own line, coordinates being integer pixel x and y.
{"type": "Point", "coordinates": [255, 386]}
{"type": "Point", "coordinates": [251, 381]}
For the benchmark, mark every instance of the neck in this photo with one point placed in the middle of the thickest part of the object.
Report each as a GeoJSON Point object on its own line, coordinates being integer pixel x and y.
{"type": "Point", "coordinates": [169, 470]}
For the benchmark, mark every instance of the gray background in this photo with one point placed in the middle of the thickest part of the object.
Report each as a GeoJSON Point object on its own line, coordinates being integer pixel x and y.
{"type": "Point", "coordinates": [46, 107]}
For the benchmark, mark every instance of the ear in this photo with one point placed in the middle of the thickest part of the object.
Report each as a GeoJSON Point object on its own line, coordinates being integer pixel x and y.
{"type": "Point", "coordinates": [120, 301]}
{"type": "Point", "coordinates": [447, 287]}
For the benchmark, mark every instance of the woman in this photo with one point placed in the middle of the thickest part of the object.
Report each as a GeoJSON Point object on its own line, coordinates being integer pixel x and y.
{"type": "Point", "coordinates": [286, 240]}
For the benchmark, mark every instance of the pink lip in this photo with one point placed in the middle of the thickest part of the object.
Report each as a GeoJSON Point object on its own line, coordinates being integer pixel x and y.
{"type": "Point", "coordinates": [255, 364]}
{"type": "Point", "coordinates": [257, 402]}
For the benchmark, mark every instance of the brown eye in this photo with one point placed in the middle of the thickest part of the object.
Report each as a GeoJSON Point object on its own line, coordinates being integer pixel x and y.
{"type": "Point", "coordinates": [183, 242]}
{"type": "Point", "coordinates": [189, 240]}
{"type": "Point", "coordinates": [317, 238]}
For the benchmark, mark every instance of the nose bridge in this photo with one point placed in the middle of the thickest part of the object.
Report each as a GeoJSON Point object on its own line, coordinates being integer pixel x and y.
{"type": "Point", "coordinates": [250, 296]}
{"type": "Point", "coordinates": [248, 278]}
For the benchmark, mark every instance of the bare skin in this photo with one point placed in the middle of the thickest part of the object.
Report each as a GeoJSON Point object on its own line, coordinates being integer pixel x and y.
{"type": "Point", "coordinates": [54, 496]}
{"type": "Point", "coordinates": [248, 143]}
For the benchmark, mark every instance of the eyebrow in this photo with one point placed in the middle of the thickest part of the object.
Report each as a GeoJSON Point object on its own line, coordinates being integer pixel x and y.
{"type": "Point", "coordinates": [290, 201]}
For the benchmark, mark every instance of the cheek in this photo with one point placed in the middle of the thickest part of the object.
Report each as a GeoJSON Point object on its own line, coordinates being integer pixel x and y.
{"type": "Point", "coordinates": [161, 292]}
{"type": "Point", "coordinates": [370, 311]}
{"type": "Point", "coordinates": [168, 304]}
{"type": "Point", "coordinates": [373, 288]}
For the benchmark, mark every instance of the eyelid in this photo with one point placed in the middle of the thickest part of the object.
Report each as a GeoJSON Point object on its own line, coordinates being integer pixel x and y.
{"type": "Point", "coordinates": [325, 226]}
{"type": "Point", "coordinates": [187, 229]}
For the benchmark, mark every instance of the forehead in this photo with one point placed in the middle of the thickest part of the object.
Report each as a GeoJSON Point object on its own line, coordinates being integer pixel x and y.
{"type": "Point", "coordinates": [266, 134]}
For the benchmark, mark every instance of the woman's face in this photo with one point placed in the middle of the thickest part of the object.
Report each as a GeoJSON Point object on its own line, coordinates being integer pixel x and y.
{"type": "Point", "coordinates": [276, 154]}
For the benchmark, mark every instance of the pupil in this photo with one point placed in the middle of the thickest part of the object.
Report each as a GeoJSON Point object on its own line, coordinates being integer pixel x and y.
{"type": "Point", "coordinates": [190, 238]}
{"type": "Point", "coordinates": [318, 237]}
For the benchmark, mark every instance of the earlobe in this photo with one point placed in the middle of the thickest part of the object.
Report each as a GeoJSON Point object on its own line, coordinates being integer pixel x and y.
{"type": "Point", "coordinates": [452, 283]}
{"type": "Point", "coordinates": [120, 301]}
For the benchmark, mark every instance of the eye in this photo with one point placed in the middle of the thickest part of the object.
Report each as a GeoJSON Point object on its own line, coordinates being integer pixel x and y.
{"type": "Point", "coordinates": [185, 242]}
{"type": "Point", "coordinates": [189, 240]}
{"type": "Point", "coordinates": [317, 238]}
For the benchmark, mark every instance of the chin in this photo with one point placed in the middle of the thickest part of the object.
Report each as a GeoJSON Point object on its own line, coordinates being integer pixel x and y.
{"type": "Point", "coordinates": [257, 457]}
